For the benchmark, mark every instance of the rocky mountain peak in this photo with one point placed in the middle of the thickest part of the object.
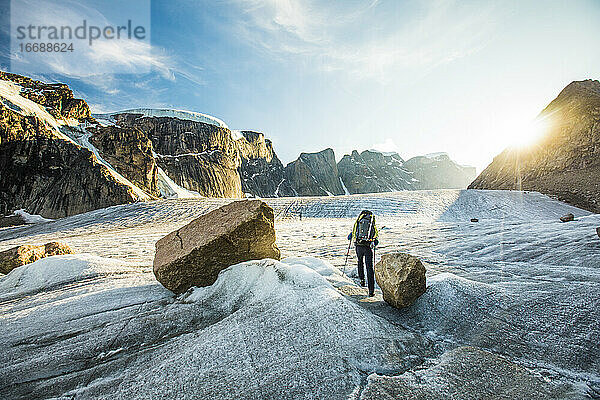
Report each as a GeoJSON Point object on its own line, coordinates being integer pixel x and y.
{"type": "Point", "coordinates": [565, 162]}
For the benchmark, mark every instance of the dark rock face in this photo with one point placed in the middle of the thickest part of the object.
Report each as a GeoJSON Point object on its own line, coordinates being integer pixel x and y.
{"type": "Point", "coordinates": [48, 175]}
{"type": "Point", "coordinates": [11, 220]}
{"type": "Point", "coordinates": [195, 254]}
{"type": "Point", "coordinates": [565, 163]}
{"type": "Point", "coordinates": [129, 151]}
{"type": "Point", "coordinates": [315, 174]}
{"type": "Point", "coordinates": [372, 171]}
{"type": "Point", "coordinates": [261, 172]}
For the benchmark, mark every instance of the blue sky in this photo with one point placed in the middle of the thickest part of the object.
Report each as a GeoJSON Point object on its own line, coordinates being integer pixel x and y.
{"type": "Point", "coordinates": [464, 77]}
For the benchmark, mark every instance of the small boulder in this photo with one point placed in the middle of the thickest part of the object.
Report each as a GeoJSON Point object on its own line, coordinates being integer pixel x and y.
{"type": "Point", "coordinates": [401, 278]}
{"type": "Point", "coordinates": [567, 217]}
{"type": "Point", "coordinates": [598, 231]}
{"type": "Point", "coordinates": [196, 253]}
{"type": "Point", "coordinates": [474, 220]}
{"type": "Point", "coordinates": [25, 254]}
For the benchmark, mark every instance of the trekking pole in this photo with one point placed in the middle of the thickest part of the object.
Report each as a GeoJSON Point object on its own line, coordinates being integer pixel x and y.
{"type": "Point", "coordinates": [374, 259]}
{"type": "Point", "coordinates": [347, 254]}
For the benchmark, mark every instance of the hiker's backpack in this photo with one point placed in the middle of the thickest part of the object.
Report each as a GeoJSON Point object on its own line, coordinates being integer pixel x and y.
{"type": "Point", "coordinates": [365, 229]}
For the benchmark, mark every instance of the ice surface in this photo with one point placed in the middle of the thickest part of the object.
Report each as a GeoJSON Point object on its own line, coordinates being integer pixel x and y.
{"type": "Point", "coordinates": [265, 329]}
{"type": "Point", "coordinates": [519, 284]}
{"type": "Point", "coordinates": [56, 270]}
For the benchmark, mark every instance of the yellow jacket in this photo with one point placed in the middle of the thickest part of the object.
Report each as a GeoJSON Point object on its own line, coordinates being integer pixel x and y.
{"type": "Point", "coordinates": [353, 234]}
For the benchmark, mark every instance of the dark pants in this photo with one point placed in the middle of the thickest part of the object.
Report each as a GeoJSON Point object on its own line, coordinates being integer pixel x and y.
{"type": "Point", "coordinates": [365, 256]}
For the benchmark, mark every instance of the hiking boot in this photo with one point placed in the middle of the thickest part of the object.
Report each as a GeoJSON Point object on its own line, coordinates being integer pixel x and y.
{"type": "Point", "coordinates": [362, 283]}
{"type": "Point", "coordinates": [371, 294]}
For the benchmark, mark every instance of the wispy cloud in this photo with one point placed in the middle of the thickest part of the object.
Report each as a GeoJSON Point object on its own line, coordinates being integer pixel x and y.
{"type": "Point", "coordinates": [372, 40]}
{"type": "Point", "coordinates": [98, 63]}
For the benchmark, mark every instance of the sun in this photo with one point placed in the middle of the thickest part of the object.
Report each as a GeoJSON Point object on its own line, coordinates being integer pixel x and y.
{"type": "Point", "coordinates": [530, 133]}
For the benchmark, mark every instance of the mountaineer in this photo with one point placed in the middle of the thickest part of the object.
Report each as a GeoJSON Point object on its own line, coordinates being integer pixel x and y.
{"type": "Point", "coordinates": [365, 239]}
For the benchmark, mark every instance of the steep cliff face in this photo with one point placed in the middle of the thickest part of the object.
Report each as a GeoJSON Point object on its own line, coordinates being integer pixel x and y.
{"type": "Point", "coordinates": [373, 171]}
{"type": "Point", "coordinates": [197, 156]}
{"type": "Point", "coordinates": [315, 174]}
{"type": "Point", "coordinates": [261, 172]}
{"type": "Point", "coordinates": [565, 162]}
{"type": "Point", "coordinates": [41, 168]}
{"type": "Point", "coordinates": [129, 151]}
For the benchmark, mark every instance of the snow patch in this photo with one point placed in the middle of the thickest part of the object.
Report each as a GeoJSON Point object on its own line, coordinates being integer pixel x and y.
{"type": "Point", "coordinates": [237, 135]}
{"type": "Point", "coordinates": [170, 190]}
{"type": "Point", "coordinates": [31, 218]}
{"type": "Point", "coordinates": [343, 186]}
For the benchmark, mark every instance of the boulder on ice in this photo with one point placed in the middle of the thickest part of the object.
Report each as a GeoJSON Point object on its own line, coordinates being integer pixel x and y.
{"type": "Point", "coordinates": [567, 217]}
{"type": "Point", "coordinates": [25, 254]}
{"type": "Point", "coordinates": [196, 253]}
{"type": "Point", "coordinates": [598, 231]}
{"type": "Point", "coordinates": [401, 278]}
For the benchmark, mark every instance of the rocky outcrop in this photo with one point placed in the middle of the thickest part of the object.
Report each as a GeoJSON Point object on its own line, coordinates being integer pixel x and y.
{"type": "Point", "coordinates": [43, 169]}
{"type": "Point", "coordinates": [314, 174]}
{"type": "Point", "coordinates": [565, 162]}
{"type": "Point", "coordinates": [26, 254]}
{"type": "Point", "coordinates": [196, 253]}
{"type": "Point", "coordinates": [11, 220]}
{"type": "Point", "coordinates": [261, 172]}
{"type": "Point", "coordinates": [567, 217]}
{"type": "Point", "coordinates": [401, 278]}
{"type": "Point", "coordinates": [49, 175]}
{"type": "Point", "coordinates": [57, 98]}
{"type": "Point", "coordinates": [197, 156]}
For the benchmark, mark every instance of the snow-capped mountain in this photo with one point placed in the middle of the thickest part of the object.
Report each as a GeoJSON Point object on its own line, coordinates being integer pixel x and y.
{"type": "Point", "coordinates": [565, 162]}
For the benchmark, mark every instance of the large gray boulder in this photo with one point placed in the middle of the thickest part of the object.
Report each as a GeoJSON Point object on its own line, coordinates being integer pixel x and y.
{"type": "Point", "coordinates": [401, 278]}
{"type": "Point", "coordinates": [196, 253]}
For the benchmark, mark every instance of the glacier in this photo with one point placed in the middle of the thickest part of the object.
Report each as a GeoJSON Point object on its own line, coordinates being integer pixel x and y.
{"type": "Point", "coordinates": [510, 311]}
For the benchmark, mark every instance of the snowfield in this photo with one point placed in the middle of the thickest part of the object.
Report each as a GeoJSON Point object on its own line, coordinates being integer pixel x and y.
{"type": "Point", "coordinates": [511, 309]}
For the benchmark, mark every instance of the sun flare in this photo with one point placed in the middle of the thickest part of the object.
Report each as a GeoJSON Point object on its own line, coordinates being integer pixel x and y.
{"type": "Point", "coordinates": [531, 132]}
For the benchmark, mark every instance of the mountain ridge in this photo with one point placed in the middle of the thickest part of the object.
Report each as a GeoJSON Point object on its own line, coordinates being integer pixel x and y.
{"type": "Point", "coordinates": [144, 154]}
